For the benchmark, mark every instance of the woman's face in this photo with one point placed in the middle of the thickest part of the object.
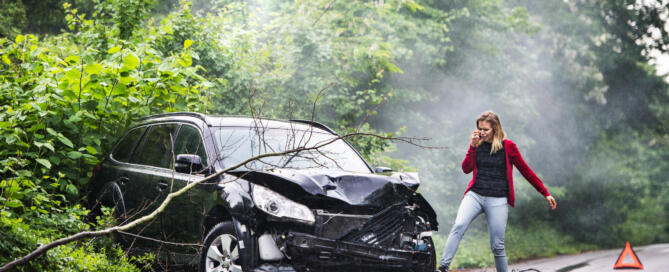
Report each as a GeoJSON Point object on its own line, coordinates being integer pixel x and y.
{"type": "Point", "coordinates": [485, 130]}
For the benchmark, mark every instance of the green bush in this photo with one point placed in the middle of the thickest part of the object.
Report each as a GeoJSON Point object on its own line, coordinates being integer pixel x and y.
{"type": "Point", "coordinates": [63, 103]}
{"type": "Point", "coordinates": [26, 229]}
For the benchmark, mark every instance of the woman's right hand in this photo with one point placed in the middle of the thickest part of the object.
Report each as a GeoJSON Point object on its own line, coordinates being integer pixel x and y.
{"type": "Point", "coordinates": [475, 140]}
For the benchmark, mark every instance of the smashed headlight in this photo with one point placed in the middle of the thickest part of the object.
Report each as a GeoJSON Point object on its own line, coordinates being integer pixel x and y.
{"type": "Point", "coordinates": [279, 206]}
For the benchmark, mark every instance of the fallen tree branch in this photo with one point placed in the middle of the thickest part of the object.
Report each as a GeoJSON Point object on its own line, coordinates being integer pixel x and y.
{"type": "Point", "coordinates": [158, 241]}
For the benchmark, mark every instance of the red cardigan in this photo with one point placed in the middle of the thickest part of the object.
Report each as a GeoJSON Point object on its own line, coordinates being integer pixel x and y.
{"type": "Point", "coordinates": [512, 157]}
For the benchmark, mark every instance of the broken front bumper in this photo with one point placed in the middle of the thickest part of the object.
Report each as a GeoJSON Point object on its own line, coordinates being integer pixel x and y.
{"type": "Point", "coordinates": [323, 252]}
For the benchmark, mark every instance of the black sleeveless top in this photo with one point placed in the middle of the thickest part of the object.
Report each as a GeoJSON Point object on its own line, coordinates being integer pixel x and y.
{"type": "Point", "coordinates": [491, 172]}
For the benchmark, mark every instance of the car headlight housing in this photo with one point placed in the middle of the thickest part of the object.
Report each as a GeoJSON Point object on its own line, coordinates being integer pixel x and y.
{"type": "Point", "coordinates": [277, 205]}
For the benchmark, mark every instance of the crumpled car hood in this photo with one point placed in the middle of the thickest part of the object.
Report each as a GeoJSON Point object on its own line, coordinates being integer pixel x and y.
{"type": "Point", "coordinates": [327, 187]}
{"type": "Point", "coordinates": [352, 188]}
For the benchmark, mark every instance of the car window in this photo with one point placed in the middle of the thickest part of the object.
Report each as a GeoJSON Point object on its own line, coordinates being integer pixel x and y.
{"type": "Point", "coordinates": [237, 144]}
{"type": "Point", "coordinates": [127, 145]}
{"type": "Point", "coordinates": [189, 141]}
{"type": "Point", "coordinates": [157, 148]}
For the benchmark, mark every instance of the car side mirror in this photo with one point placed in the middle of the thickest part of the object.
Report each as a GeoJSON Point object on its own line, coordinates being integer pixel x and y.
{"type": "Point", "coordinates": [382, 169]}
{"type": "Point", "coordinates": [188, 163]}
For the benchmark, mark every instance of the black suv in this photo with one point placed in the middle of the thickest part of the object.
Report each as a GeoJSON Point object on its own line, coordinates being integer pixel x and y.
{"type": "Point", "coordinates": [314, 210]}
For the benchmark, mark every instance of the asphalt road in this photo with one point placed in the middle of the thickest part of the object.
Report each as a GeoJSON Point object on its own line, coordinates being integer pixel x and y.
{"type": "Point", "coordinates": [653, 258]}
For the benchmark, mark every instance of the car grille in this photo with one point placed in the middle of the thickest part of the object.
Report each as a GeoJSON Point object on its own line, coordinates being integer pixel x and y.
{"type": "Point", "coordinates": [381, 229]}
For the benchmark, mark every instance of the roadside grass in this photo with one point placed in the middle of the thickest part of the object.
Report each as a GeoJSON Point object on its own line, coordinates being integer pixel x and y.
{"type": "Point", "coordinates": [537, 241]}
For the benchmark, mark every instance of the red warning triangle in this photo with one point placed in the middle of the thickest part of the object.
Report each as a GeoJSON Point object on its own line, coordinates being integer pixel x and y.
{"type": "Point", "coordinates": [628, 251]}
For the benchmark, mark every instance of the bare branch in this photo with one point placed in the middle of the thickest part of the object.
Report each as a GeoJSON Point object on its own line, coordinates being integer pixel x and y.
{"type": "Point", "coordinates": [369, 112]}
{"type": "Point", "coordinates": [327, 8]}
{"type": "Point", "coordinates": [158, 241]}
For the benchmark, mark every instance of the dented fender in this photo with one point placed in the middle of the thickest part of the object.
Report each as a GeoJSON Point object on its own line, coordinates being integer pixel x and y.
{"type": "Point", "coordinates": [236, 195]}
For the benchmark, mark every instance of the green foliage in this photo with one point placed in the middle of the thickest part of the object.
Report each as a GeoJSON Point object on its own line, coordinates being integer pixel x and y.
{"type": "Point", "coordinates": [127, 15]}
{"type": "Point", "coordinates": [630, 167]}
{"type": "Point", "coordinates": [21, 232]}
{"type": "Point", "coordinates": [61, 113]}
{"type": "Point", "coordinates": [12, 18]}
{"type": "Point", "coordinates": [539, 240]}
{"type": "Point", "coordinates": [44, 16]}
{"type": "Point", "coordinates": [49, 16]}
{"type": "Point", "coordinates": [64, 102]}
{"type": "Point", "coordinates": [474, 250]}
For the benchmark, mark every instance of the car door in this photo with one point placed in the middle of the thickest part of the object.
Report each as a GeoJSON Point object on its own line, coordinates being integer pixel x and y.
{"type": "Point", "coordinates": [110, 184]}
{"type": "Point", "coordinates": [148, 178]}
{"type": "Point", "coordinates": [183, 219]}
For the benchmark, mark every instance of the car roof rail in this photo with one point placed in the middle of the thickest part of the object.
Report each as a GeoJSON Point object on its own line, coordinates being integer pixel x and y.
{"type": "Point", "coordinates": [181, 113]}
{"type": "Point", "coordinates": [314, 124]}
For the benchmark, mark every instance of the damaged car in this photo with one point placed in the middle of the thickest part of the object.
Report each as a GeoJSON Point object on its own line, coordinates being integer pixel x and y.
{"type": "Point", "coordinates": [316, 209]}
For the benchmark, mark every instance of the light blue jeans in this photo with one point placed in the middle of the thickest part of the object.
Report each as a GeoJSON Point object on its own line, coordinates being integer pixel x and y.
{"type": "Point", "coordinates": [496, 211]}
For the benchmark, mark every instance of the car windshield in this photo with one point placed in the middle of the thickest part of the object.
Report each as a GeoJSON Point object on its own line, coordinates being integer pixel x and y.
{"type": "Point", "coordinates": [237, 144]}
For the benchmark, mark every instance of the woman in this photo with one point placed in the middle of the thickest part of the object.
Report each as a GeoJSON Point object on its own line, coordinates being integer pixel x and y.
{"type": "Point", "coordinates": [490, 157]}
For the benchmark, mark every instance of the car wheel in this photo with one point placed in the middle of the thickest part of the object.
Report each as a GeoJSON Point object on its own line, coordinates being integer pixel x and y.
{"type": "Point", "coordinates": [221, 250]}
{"type": "Point", "coordinates": [110, 196]}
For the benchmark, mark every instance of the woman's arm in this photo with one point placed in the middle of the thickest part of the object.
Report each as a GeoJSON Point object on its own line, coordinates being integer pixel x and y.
{"type": "Point", "coordinates": [526, 171]}
{"type": "Point", "coordinates": [469, 162]}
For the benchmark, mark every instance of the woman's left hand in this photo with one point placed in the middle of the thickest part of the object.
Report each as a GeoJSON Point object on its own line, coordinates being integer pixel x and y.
{"type": "Point", "coordinates": [551, 202]}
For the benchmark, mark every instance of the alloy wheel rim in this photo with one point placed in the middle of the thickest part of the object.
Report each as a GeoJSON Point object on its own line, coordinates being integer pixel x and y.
{"type": "Point", "coordinates": [223, 255]}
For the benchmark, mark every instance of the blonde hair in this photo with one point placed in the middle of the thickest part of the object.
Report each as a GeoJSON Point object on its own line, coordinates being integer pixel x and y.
{"type": "Point", "coordinates": [496, 125]}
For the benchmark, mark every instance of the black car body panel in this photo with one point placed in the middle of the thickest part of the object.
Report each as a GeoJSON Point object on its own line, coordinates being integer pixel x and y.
{"type": "Point", "coordinates": [236, 194]}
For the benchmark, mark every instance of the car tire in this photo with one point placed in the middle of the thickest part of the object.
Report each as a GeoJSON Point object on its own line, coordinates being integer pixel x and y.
{"type": "Point", "coordinates": [111, 196]}
{"type": "Point", "coordinates": [220, 251]}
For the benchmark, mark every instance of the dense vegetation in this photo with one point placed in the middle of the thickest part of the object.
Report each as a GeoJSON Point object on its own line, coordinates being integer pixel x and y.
{"type": "Point", "coordinates": [571, 81]}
